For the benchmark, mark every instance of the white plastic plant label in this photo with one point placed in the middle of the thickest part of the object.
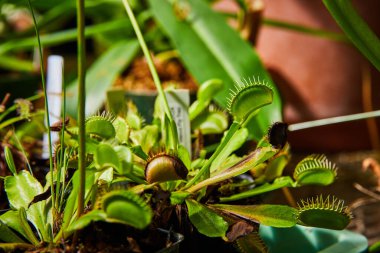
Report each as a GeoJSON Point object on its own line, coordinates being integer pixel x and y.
{"type": "Point", "coordinates": [179, 101]}
{"type": "Point", "coordinates": [54, 94]}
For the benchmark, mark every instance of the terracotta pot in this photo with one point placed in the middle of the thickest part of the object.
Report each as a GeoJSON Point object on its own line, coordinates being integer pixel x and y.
{"type": "Point", "coordinates": [318, 78]}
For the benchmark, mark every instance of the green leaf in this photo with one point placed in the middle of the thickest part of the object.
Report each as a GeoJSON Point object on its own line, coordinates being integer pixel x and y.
{"type": "Point", "coordinates": [255, 158]}
{"type": "Point", "coordinates": [322, 212]}
{"type": "Point", "coordinates": [101, 126]}
{"type": "Point", "coordinates": [356, 29]}
{"type": "Point", "coordinates": [271, 215]}
{"type": "Point", "coordinates": [205, 94]}
{"type": "Point", "coordinates": [184, 156]}
{"type": "Point", "coordinates": [146, 137]}
{"type": "Point", "coordinates": [9, 160]}
{"type": "Point", "coordinates": [12, 220]}
{"type": "Point", "coordinates": [236, 142]}
{"type": "Point", "coordinates": [25, 225]}
{"type": "Point", "coordinates": [122, 130]}
{"type": "Point", "coordinates": [315, 170]}
{"type": "Point", "coordinates": [72, 201]}
{"type": "Point", "coordinates": [247, 100]}
{"type": "Point", "coordinates": [206, 42]}
{"type": "Point", "coordinates": [375, 247]}
{"type": "Point", "coordinates": [7, 235]}
{"type": "Point", "coordinates": [277, 165]}
{"type": "Point", "coordinates": [177, 198]}
{"type": "Point", "coordinates": [125, 157]}
{"type": "Point", "coordinates": [205, 220]}
{"type": "Point", "coordinates": [21, 189]}
{"type": "Point", "coordinates": [101, 75]}
{"type": "Point", "coordinates": [105, 156]}
{"type": "Point", "coordinates": [85, 220]}
{"type": "Point", "coordinates": [210, 122]}
{"type": "Point", "coordinates": [278, 183]}
{"type": "Point", "coordinates": [320, 33]}
{"type": "Point", "coordinates": [128, 208]}
{"type": "Point", "coordinates": [40, 215]}
{"type": "Point", "coordinates": [208, 90]}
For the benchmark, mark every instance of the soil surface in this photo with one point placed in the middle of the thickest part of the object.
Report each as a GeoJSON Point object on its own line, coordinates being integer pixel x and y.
{"type": "Point", "coordinates": [171, 72]}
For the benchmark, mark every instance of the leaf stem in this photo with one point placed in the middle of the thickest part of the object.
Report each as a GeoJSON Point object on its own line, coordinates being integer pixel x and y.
{"type": "Point", "coordinates": [152, 69]}
{"type": "Point", "coordinates": [19, 118]}
{"type": "Point", "coordinates": [81, 105]}
{"type": "Point", "coordinates": [46, 108]}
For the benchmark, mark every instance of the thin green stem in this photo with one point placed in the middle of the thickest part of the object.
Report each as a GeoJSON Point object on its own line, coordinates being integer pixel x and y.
{"type": "Point", "coordinates": [20, 147]}
{"type": "Point", "coordinates": [81, 105]}
{"type": "Point", "coordinates": [62, 36]}
{"type": "Point", "coordinates": [46, 108]}
{"type": "Point", "coordinates": [15, 106]}
{"type": "Point", "coordinates": [152, 69]}
{"type": "Point", "coordinates": [60, 163]}
{"type": "Point", "coordinates": [333, 120]}
{"type": "Point", "coordinates": [19, 118]}
{"type": "Point", "coordinates": [148, 57]}
{"type": "Point", "coordinates": [306, 30]}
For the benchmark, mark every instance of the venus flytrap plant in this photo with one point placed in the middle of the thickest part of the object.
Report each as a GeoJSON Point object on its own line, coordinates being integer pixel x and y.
{"type": "Point", "coordinates": [241, 108]}
{"type": "Point", "coordinates": [166, 172]}
{"type": "Point", "coordinates": [128, 181]}
{"type": "Point", "coordinates": [312, 170]}
{"type": "Point", "coordinates": [215, 220]}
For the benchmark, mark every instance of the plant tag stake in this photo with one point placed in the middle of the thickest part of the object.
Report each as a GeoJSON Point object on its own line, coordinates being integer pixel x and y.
{"type": "Point", "coordinates": [54, 92]}
{"type": "Point", "coordinates": [179, 101]}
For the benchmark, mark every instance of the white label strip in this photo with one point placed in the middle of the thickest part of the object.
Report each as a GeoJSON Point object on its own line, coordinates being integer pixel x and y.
{"type": "Point", "coordinates": [54, 94]}
{"type": "Point", "coordinates": [179, 101]}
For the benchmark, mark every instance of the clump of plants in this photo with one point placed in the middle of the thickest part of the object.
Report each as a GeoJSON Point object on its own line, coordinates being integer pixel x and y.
{"type": "Point", "coordinates": [140, 178]}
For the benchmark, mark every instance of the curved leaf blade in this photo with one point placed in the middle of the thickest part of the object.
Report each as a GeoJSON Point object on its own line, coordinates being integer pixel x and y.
{"type": "Point", "coordinates": [21, 189]}
{"type": "Point", "coordinates": [206, 221]}
{"type": "Point", "coordinates": [211, 49]}
{"type": "Point", "coordinates": [267, 187]}
{"type": "Point", "coordinates": [270, 215]}
{"type": "Point", "coordinates": [106, 156]}
{"type": "Point", "coordinates": [85, 220]}
{"type": "Point", "coordinates": [9, 160]}
{"type": "Point", "coordinates": [12, 220]}
{"type": "Point", "coordinates": [356, 29]}
{"type": "Point", "coordinates": [7, 235]}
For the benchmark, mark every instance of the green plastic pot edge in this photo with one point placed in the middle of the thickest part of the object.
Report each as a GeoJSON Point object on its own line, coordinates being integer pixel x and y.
{"type": "Point", "coordinates": [300, 239]}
